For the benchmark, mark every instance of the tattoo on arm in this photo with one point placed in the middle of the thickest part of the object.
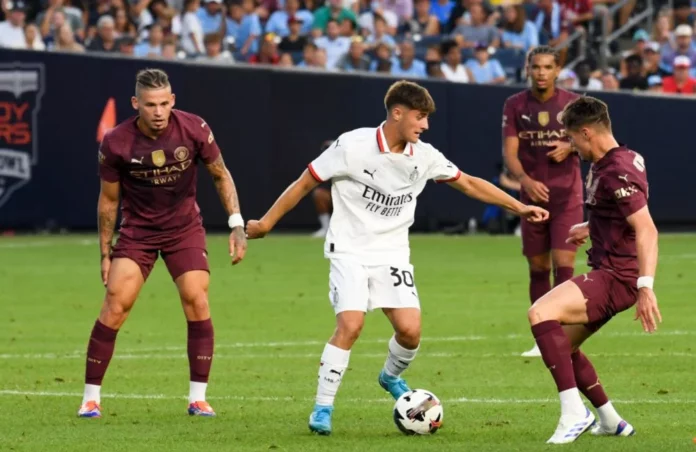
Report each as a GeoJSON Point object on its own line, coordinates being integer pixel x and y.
{"type": "Point", "coordinates": [224, 185]}
{"type": "Point", "coordinates": [108, 212]}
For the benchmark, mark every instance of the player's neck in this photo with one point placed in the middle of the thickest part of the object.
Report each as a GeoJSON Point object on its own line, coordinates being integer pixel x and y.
{"type": "Point", "coordinates": [604, 144]}
{"type": "Point", "coordinates": [543, 96]}
{"type": "Point", "coordinates": [391, 134]}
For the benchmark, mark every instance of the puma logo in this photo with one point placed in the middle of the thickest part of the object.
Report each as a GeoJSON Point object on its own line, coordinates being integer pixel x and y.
{"type": "Point", "coordinates": [333, 371]}
{"type": "Point", "coordinates": [372, 174]}
{"type": "Point", "coordinates": [139, 162]}
{"type": "Point", "coordinates": [527, 118]}
{"type": "Point", "coordinates": [624, 178]}
{"type": "Point", "coordinates": [594, 385]}
{"type": "Point", "coordinates": [587, 278]}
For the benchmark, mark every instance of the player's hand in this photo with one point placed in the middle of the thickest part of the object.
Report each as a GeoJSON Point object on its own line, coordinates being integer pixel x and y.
{"type": "Point", "coordinates": [647, 310]}
{"type": "Point", "coordinates": [105, 267]}
{"type": "Point", "coordinates": [534, 214]}
{"type": "Point", "coordinates": [561, 151]}
{"type": "Point", "coordinates": [578, 234]}
{"type": "Point", "coordinates": [238, 244]}
{"type": "Point", "coordinates": [535, 189]}
{"type": "Point", "coordinates": [256, 229]}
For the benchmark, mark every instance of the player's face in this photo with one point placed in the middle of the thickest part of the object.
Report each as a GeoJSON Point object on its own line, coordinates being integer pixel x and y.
{"type": "Point", "coordinates": [580, 140]}
{"type": "Point", "coordinates": [544, 71]}
{"type": "Point", "coordinates": [154, 107]}
{"type": "Point", "coordinates": [411, 124]}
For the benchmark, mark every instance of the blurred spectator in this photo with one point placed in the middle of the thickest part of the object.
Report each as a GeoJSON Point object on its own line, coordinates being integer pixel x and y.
{"type": "Point", "coordinates": [383, 65]}
{"type": "Point", "coordinates": [265, 8]}
{"type": "Point", "coordinates": [423, 22]}
{"type": "Point", "coordinates": [640, 40]}
{"type": "Point", "coordinates": [104, 41]}
{"type": "Point", "coordinates": [578, 13]}
{"type": "Point", "coordinates": [401, 9]}
{"type": "Point", "coordinates": [442, 10]}
{"type": "Point", "coordinates": [278, 22]}
{"type": "Point", "coordinates": [213, 50]}
{"type": "Point", "coordinates": [517, 32]}
{"type": "Point", "coordinates": [681, 82]}
{"type": "Point", "coordinates": [320, 59]}
{"type": "Point", "coordinates": [433, 60]}
{"type": "Point", "coordinates": [584, 80]}
{"type": "Point", "coordinates": [681, 11]}
{"type": "Point", "coordinates": [683, 47]}
{"type": "Point", "coordinates": [406, 64]}
{"type": "Point", "coordinates": [123, 25]}
{"type": "Point", "coordinates": [634, 79]}
{"type": "Point", "coordinates": [452, 68]}
{"type": "Point", "coordinates": [308, 55]}
{"type": "Point", "coordinates": [662, 31]}
{"type": "Point", "coordinates": [383, 52]}
{"type": "Point", "coordinates": [286, 60]}
{"type": "Point", "coordinates": [158, 11]}
{"type": "Point", "coordinates": [609, 81]}
{"type": "Point", "coordinates": [211, 16]}
{"type": "Point", "coordinates": [367, 20]}
{"type": "Point", "coordinates": [483, 68]}
{"type": "Point", "coordinates": [335, 46]}
{"type": "Point", "coordinates": [65, 40]}
{"type": "Point", "coordinates": [268, 54]}
{"type": "Point", "coordinates": [333, 10]}
{"type": "Point", "coordinates": [244, 26]}
{"type": "Point", "coordinates": [126, 45]}
{"type": "Point", "coordinates": [169, 48]}
{"type": "Point", "coordinates": [348, 28]}
{"type": "Point", "coordinates": [379, 33]}
{"type": "Point", "coordinates": [566, 78]}
{"type": "Point", "coordinates": [32, 38]}
{"type": "Point", "coordinates": [49, 23]}
{"type": "Point", "coordinates": [355, 59]}
{"type": "Point", "coordinates": [153, 46]}
{"type": "Point", "coordinates": [551, 22]}
{"type": "Point", "coordinates": [651, 59]}
{"type": "Point", "coordinates": [468, 35]}
{"type": "Point", "coordinates": [655, 83]}
{"type": "Point", "coordinates": [293, 42]}
{"type": "Point", "coordinates": [461, 14]}
{"type": "Point", "coordinates": [191, 28]}
{"type": "Point", "coordinates": [12, 29]}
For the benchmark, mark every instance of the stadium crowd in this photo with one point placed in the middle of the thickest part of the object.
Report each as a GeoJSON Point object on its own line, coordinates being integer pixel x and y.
{"type": "Point", "coordinates": [470, 41]}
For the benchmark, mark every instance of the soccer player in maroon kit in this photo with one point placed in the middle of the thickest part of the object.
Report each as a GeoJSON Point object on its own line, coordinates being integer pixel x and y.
{"type": "Point", "coordinates": [538, 155]}
{"type": "Point", "coordinates": [151, 161]}
{"type": "Point", "coordinates": [623, 259]}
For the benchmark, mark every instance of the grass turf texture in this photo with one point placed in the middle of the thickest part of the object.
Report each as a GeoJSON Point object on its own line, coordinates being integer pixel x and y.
{"type": "Point", "coordinates": [272, 316]}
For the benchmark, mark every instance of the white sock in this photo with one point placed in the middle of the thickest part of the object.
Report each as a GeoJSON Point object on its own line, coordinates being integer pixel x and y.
{"type": "Point", "coordinates": [398, 358]}
{"type": "Point", "coordinates": [608, 416]}
{"type": "Point", "coordinates": [571, 403]}
{"type": "Point", "coordinates": [334, 362]}
{"type": "Point", "coordinates": [324, 220]}
{"type": "Point", "coordinates": [197, 391]}
{"type": "Point", "coordinates": [92, 392]}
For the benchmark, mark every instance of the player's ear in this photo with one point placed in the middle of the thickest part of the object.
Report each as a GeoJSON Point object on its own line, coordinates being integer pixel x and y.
{"type": "Point", "coordinates": [173, 99]}
{"type": "Point", "coordinates": [134, 102]}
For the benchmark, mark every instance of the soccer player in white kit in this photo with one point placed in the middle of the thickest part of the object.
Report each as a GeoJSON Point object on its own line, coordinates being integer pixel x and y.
{"type": "Point", "coordinates": [377, 174]}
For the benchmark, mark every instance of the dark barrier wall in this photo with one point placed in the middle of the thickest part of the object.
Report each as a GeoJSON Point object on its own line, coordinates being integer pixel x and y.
{"type": "Point", "coordinates": [270, 124]}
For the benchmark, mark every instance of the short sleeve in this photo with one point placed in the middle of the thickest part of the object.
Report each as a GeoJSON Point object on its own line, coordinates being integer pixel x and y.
{"type": "Point", "coordinates": [209, 150]}
{"type": "Point", "coordinates": [331, 163]}
{"type": "Point", "coordinates": [109, 162]}
{"type": "Point", "coordinates": [629, 186]}
{"type": "Point", "coordinates": [509, 120]}
{"type": "Point", "coordinates": [442, 170]}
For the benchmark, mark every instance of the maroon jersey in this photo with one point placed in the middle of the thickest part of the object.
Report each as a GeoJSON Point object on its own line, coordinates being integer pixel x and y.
{"type": "Point", "coordinates": [617, 187]}
{"type": "Point", "coordinates": [158, 177]}
{"type": "Point", "coordinates": [536, 124]}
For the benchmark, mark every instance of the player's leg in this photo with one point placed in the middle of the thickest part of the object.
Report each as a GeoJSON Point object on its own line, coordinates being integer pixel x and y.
{"type": "Point", "coordinates": [322, 203]}
{"type": "Point", "coordinates": [348, 293]}
{"type": "Point", "coordinates": [125, 279]}
{"type": "Point", "coordinates": [536, 246]}
{"type": "Point", "coordinates": [403, 347]}
{"type": "Point", "coordinates": [562, 253]}
{"type": "Point", "coordinates": [189, 269]}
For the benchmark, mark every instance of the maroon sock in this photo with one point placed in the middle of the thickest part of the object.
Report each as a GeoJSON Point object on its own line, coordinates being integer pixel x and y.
{"type": "Point", "coordinates": [555, 350]}
{"type": "Point", "coordinates": [561, 275]}
{"type": "Point", "coordinates": [200, 349]}
{"type": "Point", "coordinates": [587, 380]}
{"type": "Point", "coordinates": [99, 352]}
{"type": "Point", "coordinates": [539, 284]}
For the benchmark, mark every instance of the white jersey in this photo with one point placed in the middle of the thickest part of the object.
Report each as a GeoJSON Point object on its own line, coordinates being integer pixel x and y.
{"type": "Point", "coordinates": [374, 194]}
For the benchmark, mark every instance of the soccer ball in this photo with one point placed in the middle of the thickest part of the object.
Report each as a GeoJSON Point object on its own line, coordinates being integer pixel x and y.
{"type": "Point", "coordinates": [418, 412]}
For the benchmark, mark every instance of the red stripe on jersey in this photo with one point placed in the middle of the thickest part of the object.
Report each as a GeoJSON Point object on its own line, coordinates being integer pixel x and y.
{"type": "Point", "coordinates": [451, 179]}
{"type": "Point", "coordinates": [411, 150]}
{"type": "Point", "coordinates": [314, 173]}
{"type": "Point", "coordinates": [379, 140]}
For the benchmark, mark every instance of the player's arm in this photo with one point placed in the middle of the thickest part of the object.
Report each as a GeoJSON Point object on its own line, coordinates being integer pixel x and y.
{"type": "Point", "coordinates": [646, 244]}
{"type": "Point", "coordinates": [107, 213]}
{"type": "Point", "coordinates": [484, 191]}
{"type": "Point", "coordinates": [284, 204]}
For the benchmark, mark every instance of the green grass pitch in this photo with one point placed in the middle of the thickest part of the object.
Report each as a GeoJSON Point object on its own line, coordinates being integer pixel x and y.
{"type": "Point", "coordinates": [272, 317]}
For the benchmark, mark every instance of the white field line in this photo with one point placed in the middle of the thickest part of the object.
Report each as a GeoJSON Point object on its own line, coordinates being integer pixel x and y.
{"type": "Point", "coordinates": [19, 393]}
{"type": "Point", "coordinates": [45, 243]}
{"type": "Point", "coordinates": [316, 355]}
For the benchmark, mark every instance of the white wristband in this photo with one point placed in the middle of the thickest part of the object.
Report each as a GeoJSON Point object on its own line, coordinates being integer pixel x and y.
{"type": "Point", "coordinates": [235, 220]}
{"type": "Point", "coordinates": [645, 281]}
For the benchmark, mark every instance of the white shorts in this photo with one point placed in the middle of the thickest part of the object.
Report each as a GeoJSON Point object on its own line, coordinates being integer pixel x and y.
{"type": "Point", "coordinates": [356, 287]}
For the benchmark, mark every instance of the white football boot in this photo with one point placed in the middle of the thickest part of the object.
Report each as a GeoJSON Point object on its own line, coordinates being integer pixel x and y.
{"type": "Point", "coordinates": [533, 353]}
{"type": "Point", "coordinates": [570, 427]}
{"type": "Point", "coordinates": [623, 429]}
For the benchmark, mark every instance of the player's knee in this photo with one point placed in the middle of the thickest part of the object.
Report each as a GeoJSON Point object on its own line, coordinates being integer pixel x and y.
{"type": "Point", "coordinates": [409, 336]}
{"type": "Point", "coordinates": [538, 313]}
{"type": "Point", "coordinates": [348, 331]}
{"type": "Point", "coordinates": [196, 305]}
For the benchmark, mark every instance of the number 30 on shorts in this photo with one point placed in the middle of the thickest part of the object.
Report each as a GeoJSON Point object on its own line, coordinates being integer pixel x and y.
{"type": "Point", "coordinates": [404, 277]}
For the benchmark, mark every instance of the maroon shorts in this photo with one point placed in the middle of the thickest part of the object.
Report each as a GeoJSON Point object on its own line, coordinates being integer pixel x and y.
{"type": "Point", "coordinates": [606, 296]}
{"type": "Point", "coordinates": [180, 254]}
{"type": "Point", "coordinates": [540, 238]}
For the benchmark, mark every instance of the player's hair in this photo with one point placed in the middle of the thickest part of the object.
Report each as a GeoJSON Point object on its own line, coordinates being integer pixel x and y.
{"type": "Point", "coordinates": [150, 79]}
{"type": "Point", "coordinates": [544, 50]}
{"type": "Point", "coordinates": [586, 111]}
{"type": "Point", "coordinates": [410, 95]}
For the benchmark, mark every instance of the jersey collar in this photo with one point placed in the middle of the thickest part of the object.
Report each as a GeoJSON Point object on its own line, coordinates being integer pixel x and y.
{"type": "Point", "coordinates": [384, 147]}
